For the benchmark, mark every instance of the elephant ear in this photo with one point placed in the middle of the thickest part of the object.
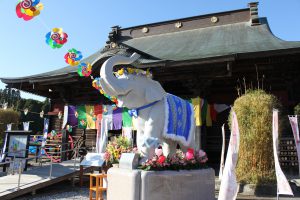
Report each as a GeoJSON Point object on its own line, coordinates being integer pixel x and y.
{"type": "Point", "coordinates": [154, 92]}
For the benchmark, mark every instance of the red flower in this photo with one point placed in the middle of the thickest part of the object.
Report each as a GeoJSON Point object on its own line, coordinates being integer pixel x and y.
{"type": "Point", "coordinates": [190, 154]}
{"type": "Point", "coordinates": [161, 159]}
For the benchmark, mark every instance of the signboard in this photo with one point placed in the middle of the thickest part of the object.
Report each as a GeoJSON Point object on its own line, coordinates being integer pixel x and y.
{"type": "Point", "coordinates": [129, 161]}
{"type": "Point", "coordinates": [17, 146]}
{"type": "Point", "coordinates": [93, 159]}
{"type": "Point", "coordinates": [14, 166]}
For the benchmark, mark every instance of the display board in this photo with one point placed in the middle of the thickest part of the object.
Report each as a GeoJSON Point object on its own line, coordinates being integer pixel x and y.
{"type": "Point", "coordinates": [93, 159]}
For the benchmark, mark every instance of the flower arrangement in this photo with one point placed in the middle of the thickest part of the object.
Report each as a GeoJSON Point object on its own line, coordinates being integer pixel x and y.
{"type": "Point", "coordinates": [178, 161]}
{"type": "Point", "coordinates": [115, 148]}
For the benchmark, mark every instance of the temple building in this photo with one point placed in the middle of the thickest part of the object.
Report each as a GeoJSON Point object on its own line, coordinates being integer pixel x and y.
{"type": "Point", "coordinates": [213, 56]}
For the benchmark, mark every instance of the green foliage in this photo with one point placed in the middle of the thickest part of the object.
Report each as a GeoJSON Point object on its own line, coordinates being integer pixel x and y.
{"type": "Point", "coordinates": [297, 109]}
{"type": "Point", "coordinates": [9, 95]}
{"type": "Point", "coordinates": [34, 108]}
{"type": "Point", "coordinates": [15, 102]}
{"type": "Point", "coordinates": [6, 117]}
{"type": "Point", "coordinates": [256, 160]}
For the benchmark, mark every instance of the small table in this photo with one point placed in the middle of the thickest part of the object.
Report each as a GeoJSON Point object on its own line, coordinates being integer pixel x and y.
{"type": "Point", "coordinates": [99, 187]}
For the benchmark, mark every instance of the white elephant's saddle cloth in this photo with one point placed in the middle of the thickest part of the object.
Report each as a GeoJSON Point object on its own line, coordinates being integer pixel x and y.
{"type": "Point", "coordinates": [179, 119]}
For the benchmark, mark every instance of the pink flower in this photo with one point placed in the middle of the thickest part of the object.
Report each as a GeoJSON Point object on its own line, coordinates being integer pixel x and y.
{"type": "Point", "coordinates": [106, 156]}
{"type": "Point", "coordinates": [161, 159]}
{"type": "Point", "coordinates": [201, 153]}
{"type": "Point", "coordinates": [158, 152]}
{"type": "Point", "coordinates": [189, 154]}
{"type": "Point", "coordinates": [202, 156]}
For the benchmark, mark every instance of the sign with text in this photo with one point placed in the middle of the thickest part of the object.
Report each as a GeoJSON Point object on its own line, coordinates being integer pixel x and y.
{"type": "Point", "coordinates": [93, 159]}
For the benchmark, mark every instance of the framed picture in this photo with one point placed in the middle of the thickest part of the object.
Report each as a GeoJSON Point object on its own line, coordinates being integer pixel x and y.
{"type": "Point", "coordinates": [18, 145]}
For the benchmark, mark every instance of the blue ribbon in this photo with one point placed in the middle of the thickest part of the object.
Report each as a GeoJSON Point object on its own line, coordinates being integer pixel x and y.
{"type": "Point", "coordinates": [135, 112]}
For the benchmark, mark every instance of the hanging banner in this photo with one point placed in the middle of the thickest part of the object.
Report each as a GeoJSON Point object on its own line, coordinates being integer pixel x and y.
{"type": "Point", "coordinates": [283, 186]}
{"type": "Point", "coordinates": [98, 137]}
{"type": "Point", "coordinates": [45, 134]}
{"type": "Point", "coordinates": [26, 126]}
{"type": "Point", "coordinates": [229, 186]}
{"type": "Point", "coordinates": [2, 157]}
{"type": "Point", "coordinates": [65, 119]}
{"type": "Point", "coordinates": [295, 129]}
{"type": "Point", "coordinates": [222, 153]}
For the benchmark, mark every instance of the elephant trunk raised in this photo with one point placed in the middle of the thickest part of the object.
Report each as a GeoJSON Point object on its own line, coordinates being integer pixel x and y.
{"type": "Point", "coordinates": [110, 84]}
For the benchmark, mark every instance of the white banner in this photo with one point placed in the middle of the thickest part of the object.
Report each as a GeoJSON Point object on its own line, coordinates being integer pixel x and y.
{"type": "Point", "coordinates": [295, 129]}
{"type": "Point", "coordinates": [26, 126]}
{"type": "Point", "coordinates": [45, 132]}
{"type": "Point", "coordinates": [229, 186]}
{"type": "Point", "coordinates": [283, 186]}
{"type": "Point", "coordinates": [222, 153]}
{"type": "Point", "coordinates": [65, 119]}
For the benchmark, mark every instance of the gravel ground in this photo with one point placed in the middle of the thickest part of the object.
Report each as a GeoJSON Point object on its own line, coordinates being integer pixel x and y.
{"type": "Point", "coordinates": [63, 190]}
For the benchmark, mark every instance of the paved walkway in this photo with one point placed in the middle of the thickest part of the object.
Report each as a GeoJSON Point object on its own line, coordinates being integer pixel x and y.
{"type": "Point", "coordinates": [35, 179]}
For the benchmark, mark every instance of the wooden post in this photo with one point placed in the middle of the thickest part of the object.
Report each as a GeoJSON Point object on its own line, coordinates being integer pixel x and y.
{"type": "Point", "coordinates": [81, 176]}
{"type": "Point", "coordinates": [198, 137]}
{"type": "Point", "coordinates": [64, 146]}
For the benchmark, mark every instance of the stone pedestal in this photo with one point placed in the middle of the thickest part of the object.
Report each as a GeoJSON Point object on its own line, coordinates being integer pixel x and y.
{"type": "Point", "coordinates": [123, 184]}
{"type": "Point", "coordinates": [173, 185]}
{"type": "Point", "coordinates": [165, 185]}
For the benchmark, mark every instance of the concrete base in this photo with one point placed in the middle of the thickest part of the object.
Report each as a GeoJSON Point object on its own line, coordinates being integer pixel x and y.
{"type": "Point", "coordinates": [123, 184]}
{"type": "Point", "coordinates": [166, 185]}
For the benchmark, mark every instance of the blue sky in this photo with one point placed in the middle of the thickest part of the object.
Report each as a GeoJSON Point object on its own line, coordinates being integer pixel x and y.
{"type": "Point", "coordinates": [24, 51]}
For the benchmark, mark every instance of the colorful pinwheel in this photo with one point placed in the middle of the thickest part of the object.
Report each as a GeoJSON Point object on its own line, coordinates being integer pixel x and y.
{"type": "Point", "coordinates": [84, 69]}
{"type": "Point", "coordinates": [73, 57]}
{"type": "Point", "coordinates": [56, 38]}
{"type": "Point", "coordinates": [28, 9]}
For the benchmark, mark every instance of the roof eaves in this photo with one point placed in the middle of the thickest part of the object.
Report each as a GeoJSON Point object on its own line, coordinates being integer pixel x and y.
{"type": "Point", "coordinates": [184, 19]}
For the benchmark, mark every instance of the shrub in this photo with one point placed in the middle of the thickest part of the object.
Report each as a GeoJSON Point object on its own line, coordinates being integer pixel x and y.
{"type": "Point", "coordinates": [254, 114]}
{"type": "Point", "coordinates": [6, 117]}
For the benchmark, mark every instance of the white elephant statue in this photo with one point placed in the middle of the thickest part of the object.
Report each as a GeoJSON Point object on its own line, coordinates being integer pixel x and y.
{"type": "Point", "coordinates": [162, 118]}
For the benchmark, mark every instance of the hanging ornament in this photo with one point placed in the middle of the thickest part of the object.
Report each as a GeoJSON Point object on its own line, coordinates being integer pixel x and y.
{"type": "Point", "coordinates": [56, 38]}
{"type": "Point", "coordinates": [84, 69]}
{"type": "Point", "coordinates": [73, 57]}
{"type": "Point", "coordinates": [28, 9]}
{"type": "Point", "coordinates": [82, 122]}
{"type": "Point", "coordinates": [59, 115]}
{"type": "Point", "coordinates": [69, 128]}
{"type": "Point", "coordinates": [25, 111]}
{"type": "Point", "coordinates": [76, 114]}
{"type": "Point", "coordinates": [92, 111]}
{"type": "Point", "coordinates": [4, 106]}
{"type": "Point", "coordinates": [53, 133]}
{"type": "Point", "coordinates": [42, 114]}
{"type": "Point", "coordinates": [94, 118]}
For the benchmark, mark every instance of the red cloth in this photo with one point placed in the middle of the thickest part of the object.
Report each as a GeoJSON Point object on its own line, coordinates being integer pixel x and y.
{"type": "Point", "coordinates": [213, 113]}
{"type": "Point", "coordinates": [98, 113]}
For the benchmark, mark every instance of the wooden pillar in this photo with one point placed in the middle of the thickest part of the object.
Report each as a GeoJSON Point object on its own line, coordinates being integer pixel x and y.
{"type": "Point", "coordinates": [198, 137]}
{"type": "Point", "coordinates": [64, 146]}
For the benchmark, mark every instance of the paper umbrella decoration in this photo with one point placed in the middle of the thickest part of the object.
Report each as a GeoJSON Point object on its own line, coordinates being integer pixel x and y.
{"type": "Point", "coordinates": [84, 69]}
{"type": "Point", "coordinates": [73, 57]}
{"type": "Point", "coordinates": [28, 9]}
{"type": "Point", "coordinates": [56, 38]}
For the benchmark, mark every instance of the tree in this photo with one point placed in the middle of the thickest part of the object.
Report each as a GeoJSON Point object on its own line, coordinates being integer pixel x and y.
{"type": "Point", "coordinates": [15, 102]}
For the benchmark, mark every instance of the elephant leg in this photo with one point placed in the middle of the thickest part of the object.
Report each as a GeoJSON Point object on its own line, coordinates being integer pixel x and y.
{"type": "Point", "coordinates": [153, 128]}
{"type": "Point", "coordinates": [169, 147]}
{"type": "Point", "coordinates": [140, 134]}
